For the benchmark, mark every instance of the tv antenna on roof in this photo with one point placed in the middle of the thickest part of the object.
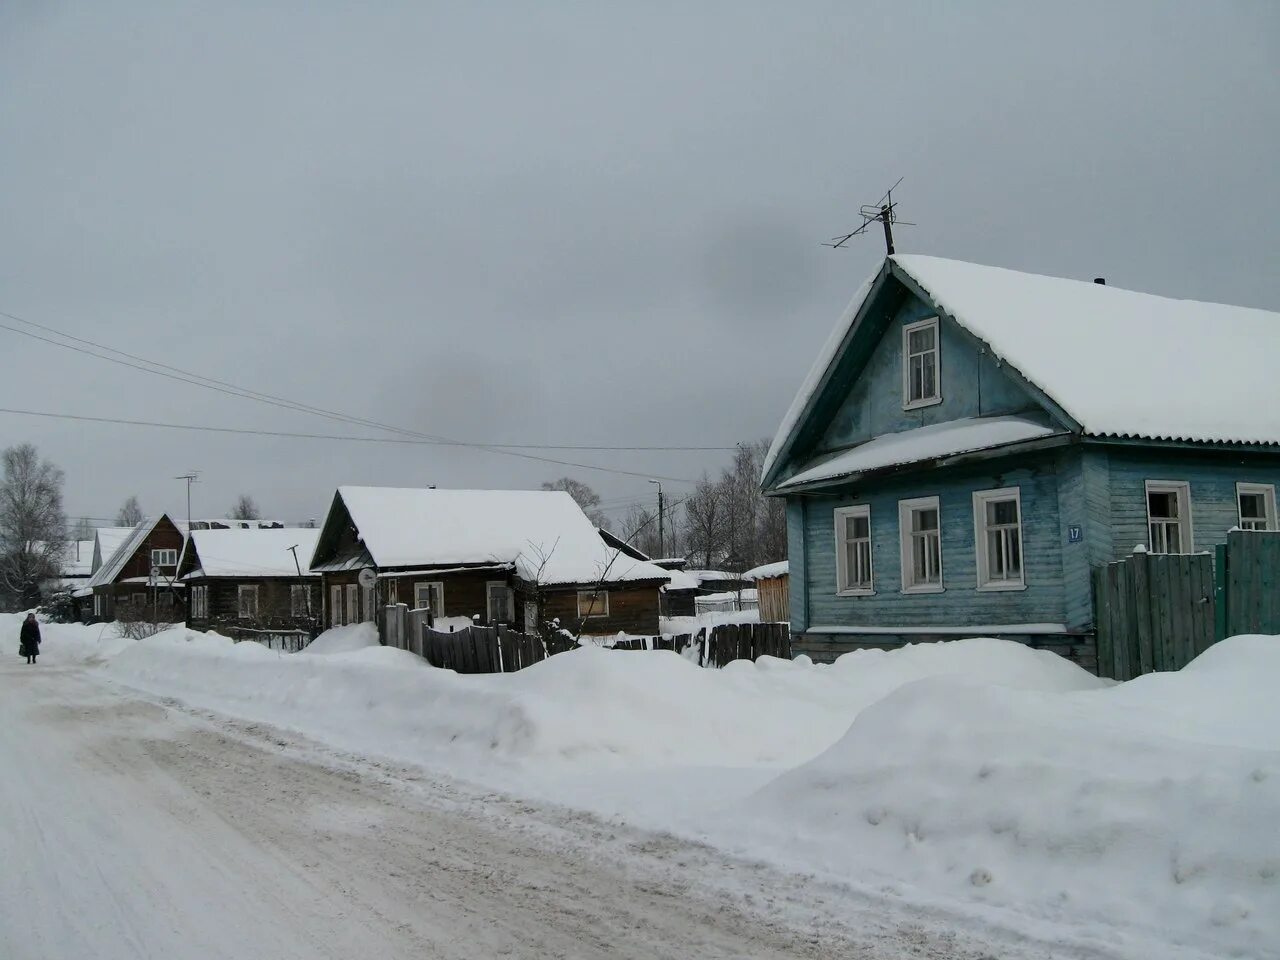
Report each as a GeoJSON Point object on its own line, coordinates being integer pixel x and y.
{"type": "Point", "coordinates": [884, 211]}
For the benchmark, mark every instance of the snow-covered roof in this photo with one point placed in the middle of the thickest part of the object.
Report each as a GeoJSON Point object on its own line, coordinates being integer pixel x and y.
{"type": "Point", "coordinates": [1118, 362]}
{"type": "Point", "coordinates": [112, 566]}
{"type": "Point", "coordinates": [253, 552]}
{"type": "Point", "coordinates": [682, 580]}
{"type": "Point", "coordinates": [767, 571]}
{"type": "Point", "coordinates": [702, 575]}
{"type": "Point", "coordinates": [544, 533]}
{"type": "Point", "coordinates": [79, 559]}
{"type": "Point", "coordinates": [925, 443]}
{"type": "Point", "coordinates": [107, 540]}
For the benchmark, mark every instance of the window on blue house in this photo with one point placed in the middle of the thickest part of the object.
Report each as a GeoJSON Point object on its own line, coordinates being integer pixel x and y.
{"type": "Point", "coordinates": [853, 551]}
{"type": "Point", "coordinates": [1169, 516]}
{"type": "Point", "coordinates": [1257, 504]}
{"type": "Point", "coordinates": [920, 527]}
{"type": "Point", "coordinates": [997, 535]}
{"type": "Point", "coordinates": [920, 364]}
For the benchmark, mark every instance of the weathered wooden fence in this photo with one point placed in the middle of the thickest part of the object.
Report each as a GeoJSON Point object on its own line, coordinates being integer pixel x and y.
{"type": "Point", "coordinates": [1248, 584]}
{"type": "Point", "coordinates": [1153, 612]}
{"type": "Point", "coordinates": [500, 649]}
{"type": "Point", "coordinates": [287, 641]}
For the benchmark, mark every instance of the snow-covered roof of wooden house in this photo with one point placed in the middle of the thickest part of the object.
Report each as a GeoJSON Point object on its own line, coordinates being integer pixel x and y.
{"type": "Point", "coordinates": [253, 552]}
{"type": "Point", "coordinates": [1112, 362]}
{"type": "Point", "coordinates": [542, 534]}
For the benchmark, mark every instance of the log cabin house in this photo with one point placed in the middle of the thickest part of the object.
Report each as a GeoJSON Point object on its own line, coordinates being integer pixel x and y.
{"type": "Point", "coordinates": [122, 584]}
{"type": "Point", "coordinates": [244, 581]}
{"type": "Point", "coordinates": [520, 557]}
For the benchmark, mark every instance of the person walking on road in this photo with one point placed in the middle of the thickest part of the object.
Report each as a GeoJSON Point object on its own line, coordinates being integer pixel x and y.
{"type": "Point", "coordinates": [30, 639]}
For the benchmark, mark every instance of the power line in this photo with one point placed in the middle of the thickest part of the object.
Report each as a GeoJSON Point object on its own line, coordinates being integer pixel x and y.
{"type": "Point", "coordinates": [307, 436]}
{"type": "Point", "coordinates": [181, 375]}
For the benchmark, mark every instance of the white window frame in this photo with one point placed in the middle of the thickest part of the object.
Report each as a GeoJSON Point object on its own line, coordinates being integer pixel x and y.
{"type": "Point", "coordinates": [159, 554]}
{"type": "Point", "coordinates": [907, 330]}
{"type": "Point", "coordinates": [593, 600]}
{"type": "Point", "coordinates": [843, 586]}
{"type": "Point", "coordinates": [436, 590]}
{"type": "Point", "coordinates": [905, 509]}
{"type": "Point", "coordinates": [980, 500]}
{"type": "Point", "coordinates": [335, 604]}
{"type": "Point", "coordinates": [246, 590]}
{"type": "Point", "coordinates": [352, 591]}
{"type": "Point", "coordinates": [508, 604]}
{"type": "Point", "coordinates": [1182, 490]}
{"type": "Point", "coordinates": [1268, 493]}
{"type": "Point", "coordinates": [200, 602]}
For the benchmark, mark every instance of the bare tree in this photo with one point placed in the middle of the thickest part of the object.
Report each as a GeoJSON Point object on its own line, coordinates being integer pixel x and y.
{"type": "Point", "coordinates": [246, 508]}
{"type": "Point", "coordinates": [130, 513]}
{"type": "Point", "coordinates": [582, 494]}
{"type": "Point", "coordinates": [83, 530]}
{"type": "Point", "coordinates": [32, 524]}
{"type": "Point", "coordinates": [640, 529]}
{"type": "Point", "coordinates": [705, 522]}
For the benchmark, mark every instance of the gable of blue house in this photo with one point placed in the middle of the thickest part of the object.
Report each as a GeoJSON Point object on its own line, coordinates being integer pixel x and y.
{"type": "Point", "coordinates": [852, 441]}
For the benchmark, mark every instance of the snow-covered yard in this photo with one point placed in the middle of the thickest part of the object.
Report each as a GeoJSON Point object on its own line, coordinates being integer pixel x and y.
{"type": "Point", "coordinates": [995, 786]}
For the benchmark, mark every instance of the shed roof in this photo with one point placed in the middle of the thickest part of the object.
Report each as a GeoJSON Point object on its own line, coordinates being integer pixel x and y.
{"type": "Point", "coordinates": [543, 533]}
{"type": "Point", "coordinates": [767, 571]}
{"type": "Point", "coordinates": [253, 552]}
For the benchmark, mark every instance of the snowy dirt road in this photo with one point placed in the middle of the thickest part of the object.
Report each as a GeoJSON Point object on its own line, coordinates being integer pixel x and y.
{"type": "Point", "coordinates": [133, 828]}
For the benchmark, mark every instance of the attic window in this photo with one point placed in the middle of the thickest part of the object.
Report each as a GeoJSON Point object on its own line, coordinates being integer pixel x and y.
{"type": "Point", "coordinates": [1257, 503]}
{"type": "Point", "coordinates": [920, 364]}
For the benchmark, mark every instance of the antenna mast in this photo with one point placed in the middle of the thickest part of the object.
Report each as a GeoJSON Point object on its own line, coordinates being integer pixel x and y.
{"type": "Point", "coordinates": [883, 211]}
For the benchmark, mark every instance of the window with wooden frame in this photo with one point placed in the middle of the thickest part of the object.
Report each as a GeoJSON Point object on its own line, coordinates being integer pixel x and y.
{"type": "Point", "coordinates": [164, 558]}
{"type": "Point", "coordinates": [920, 526]}
{"type": "Point", "coordinates": [997, 537]}
{"type": "Point", "coordinates": [499, 605]}
{"type": "Point", "coordinates": [199, 602]}
{"type": "Point", "coordinates": [1169, 516]}
{"type": "Point", "coordinates": [1256, 504]}
{"type": "Point", "coordinates": [335, 605]}
{"type": "Point", "coordinates": [593, 603]}
{"type": "Point", "coordinates": [429, 595]}
{"type": "Point", "coordinates": [353, 602]}
{"type": "Point", "coordinates": [300, 600]}
{"type": "Point", "coordinates": [248, 601]}
{"type": "Point", "coordinates": [920, 364]}
{"type": "Point", "coordinates": [853, 551]}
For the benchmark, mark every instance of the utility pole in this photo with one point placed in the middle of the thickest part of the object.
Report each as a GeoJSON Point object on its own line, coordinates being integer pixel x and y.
{"type": "Point", "coordinates": [192, 477]}
{"type": "Point", "coordinates": [662, 540]}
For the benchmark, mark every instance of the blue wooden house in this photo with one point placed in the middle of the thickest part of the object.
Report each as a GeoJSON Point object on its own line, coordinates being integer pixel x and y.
{"type": "Point", "coordinates": [972, 441]}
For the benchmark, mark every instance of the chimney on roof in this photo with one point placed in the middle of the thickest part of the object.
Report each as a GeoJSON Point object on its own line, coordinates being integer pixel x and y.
{"type": "Point", "coordinates": [1101, 281]}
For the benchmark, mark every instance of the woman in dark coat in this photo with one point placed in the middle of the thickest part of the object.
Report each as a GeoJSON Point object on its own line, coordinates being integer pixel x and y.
{"type": "Point", "coordinates": [30, 639]}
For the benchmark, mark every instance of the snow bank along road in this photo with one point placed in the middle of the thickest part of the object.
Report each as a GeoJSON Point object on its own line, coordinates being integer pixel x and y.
{"type": "Point", "coordinates": [132, 828]}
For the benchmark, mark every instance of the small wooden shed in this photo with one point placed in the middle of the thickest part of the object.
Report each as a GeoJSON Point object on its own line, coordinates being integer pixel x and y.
{"type": "Point", "coordinates": [772, 590]}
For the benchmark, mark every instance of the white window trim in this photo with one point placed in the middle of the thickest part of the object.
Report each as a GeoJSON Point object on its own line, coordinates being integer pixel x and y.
{"type": "Point", "coordinates": [352, 611]}
{"type": "Point", "coordinates": [980, 500]}
{"type": "Point", "coordinates": [598, 595]}
{"type": "Point", "coordinates": [335, 604]}
{"type": "Point", "coordinates": [842, 574]}
{"type": "Point", "coordinates": [508, 611]}
{"type": "Point", "coordinates": [166, 551]}
{"type": "Point", "coordinates": [905, 507]}
{"type": "Point", "coordinates": [907, 330]}
{"type": "Point", "coordinates": [1268, 492]}
{"type": "Point", "coordinates": [1183, 490]}
{"type": "Point", "coordinates": [240, 595]}
{"type": "Point", "coordinates": [439, 586]}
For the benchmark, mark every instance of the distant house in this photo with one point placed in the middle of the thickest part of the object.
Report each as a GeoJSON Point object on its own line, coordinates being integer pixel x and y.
{"type": "Point", "coordinates": [242, 581]}
{"type": "Point", "coordinates": [772, 584]}
{"type": "Point", "coordinates": [122, 584]}
{"type": "Point", "coordinates": [972, 441]}
{"type": "Point", "coordinates": [521, 557]}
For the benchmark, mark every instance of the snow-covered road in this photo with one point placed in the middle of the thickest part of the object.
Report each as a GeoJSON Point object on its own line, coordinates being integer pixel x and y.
{"type": "Point", "coordinates": [132, 828]}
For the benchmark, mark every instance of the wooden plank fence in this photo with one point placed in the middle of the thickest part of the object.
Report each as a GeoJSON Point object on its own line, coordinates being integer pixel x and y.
{"type": "Point", "coordinates": [1248, 584]}
{"type": "Point", "coordinates": [500, 649]}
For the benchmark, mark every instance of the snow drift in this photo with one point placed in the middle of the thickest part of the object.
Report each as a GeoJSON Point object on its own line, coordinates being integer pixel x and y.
{"type": "Point", "coordinates": [1148, 806]}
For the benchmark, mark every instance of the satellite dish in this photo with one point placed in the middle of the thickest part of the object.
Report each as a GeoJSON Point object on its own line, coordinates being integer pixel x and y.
{"type": "Point", "coordinates": [367, 578]}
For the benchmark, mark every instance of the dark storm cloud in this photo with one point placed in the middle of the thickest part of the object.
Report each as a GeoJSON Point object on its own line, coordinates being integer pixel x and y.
{"type": "Point", "coordinates": [577, 223]}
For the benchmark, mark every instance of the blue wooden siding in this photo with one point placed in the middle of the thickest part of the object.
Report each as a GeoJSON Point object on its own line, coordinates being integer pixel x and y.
{"type": "Point", "coordinates": [1212, 479]}
{"type": "Point", "coordinates": [797, 556]}
{"type": "Point", "coordinates": [961, 603]}
{"type": "Point", "coordinates": [972, 384]}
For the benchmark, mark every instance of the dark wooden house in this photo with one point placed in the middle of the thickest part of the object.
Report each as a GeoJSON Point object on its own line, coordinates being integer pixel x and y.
{"type": "Point", "coordinates": [245, 582]}
{"type": "Point", "coordinates": [519, 557]}
{"type": "Point", "coordinates": [123, 585]}
{"type": "Point", "coordinates": [973, 442]}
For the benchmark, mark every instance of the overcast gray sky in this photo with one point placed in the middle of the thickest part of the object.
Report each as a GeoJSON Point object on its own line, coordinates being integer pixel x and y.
{"type": "Point", "coordinates": [568, 223]}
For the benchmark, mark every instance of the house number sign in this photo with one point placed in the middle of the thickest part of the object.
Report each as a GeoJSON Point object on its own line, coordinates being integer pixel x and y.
{"type": "Point", "coordinates": [1074, 534]}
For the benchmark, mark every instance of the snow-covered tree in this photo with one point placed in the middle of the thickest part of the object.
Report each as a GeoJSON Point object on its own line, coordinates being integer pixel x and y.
{"type": "Point", "coordinates": [130, 513]}
{"type": "Point", "coordinates": [32, 524]}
